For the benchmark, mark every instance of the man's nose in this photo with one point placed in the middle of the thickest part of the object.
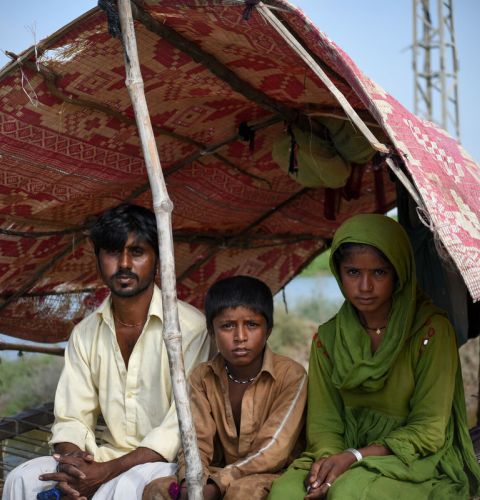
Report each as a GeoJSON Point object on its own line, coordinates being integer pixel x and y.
{"type": "Point", "coordinates": [125, 262]}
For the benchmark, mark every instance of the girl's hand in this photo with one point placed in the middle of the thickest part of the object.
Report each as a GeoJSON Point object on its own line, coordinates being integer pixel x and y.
{"type": "Point", "coordinates": [324, 472]}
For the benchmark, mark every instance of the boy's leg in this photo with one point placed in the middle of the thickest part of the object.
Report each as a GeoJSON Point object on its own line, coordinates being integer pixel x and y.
{"type": "Point", "coordinates": [252, 487]}
{"type": "Point", "coordinates": [130, 484]}
{"type": "Point", "coordinates": [289, 486]}
{"type": "Point", "coordinates": [23, 483]}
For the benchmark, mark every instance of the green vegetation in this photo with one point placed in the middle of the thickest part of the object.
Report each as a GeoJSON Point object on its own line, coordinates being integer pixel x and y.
{"type": "Point", "coordinates": [28, 381]}
{"type": "Point", "coordinates": [319, 265]}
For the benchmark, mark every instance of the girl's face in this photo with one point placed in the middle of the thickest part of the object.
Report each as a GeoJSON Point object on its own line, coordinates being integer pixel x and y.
{"type": "Point", "coordinates": [368, 282]}
{"type": "Point", "coordinates": [241, 334]}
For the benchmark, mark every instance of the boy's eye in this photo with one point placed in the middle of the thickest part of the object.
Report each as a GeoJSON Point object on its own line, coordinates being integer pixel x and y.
{"type": "Point", "coordinates": [227, 325]}
{"type": "Point", "coordinates": [252, 324]}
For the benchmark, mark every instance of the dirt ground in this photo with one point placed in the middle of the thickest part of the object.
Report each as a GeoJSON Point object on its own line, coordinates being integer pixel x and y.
{"type": "Point", "coordinates": [469, 357]}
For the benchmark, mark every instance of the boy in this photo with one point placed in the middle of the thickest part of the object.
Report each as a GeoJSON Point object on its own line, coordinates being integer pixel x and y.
{"type": "Point", "coordinates": [247, 403]}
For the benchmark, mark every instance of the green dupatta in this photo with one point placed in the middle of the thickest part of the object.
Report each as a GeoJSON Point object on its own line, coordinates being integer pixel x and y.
{"type": "Point", "coordinates": [352, 369]}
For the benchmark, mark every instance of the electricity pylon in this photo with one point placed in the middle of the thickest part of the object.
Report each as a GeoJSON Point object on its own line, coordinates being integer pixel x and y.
{"type": "Point", "coordinates": [435, 64]}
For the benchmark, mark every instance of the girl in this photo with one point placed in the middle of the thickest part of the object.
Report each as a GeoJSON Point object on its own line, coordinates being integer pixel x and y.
{"type": "Point", "coordinates": [386, 414]}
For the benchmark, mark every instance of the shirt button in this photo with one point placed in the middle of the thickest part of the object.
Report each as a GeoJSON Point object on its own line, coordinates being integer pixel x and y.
{"type": "Point", "coordinates": [129, 394]}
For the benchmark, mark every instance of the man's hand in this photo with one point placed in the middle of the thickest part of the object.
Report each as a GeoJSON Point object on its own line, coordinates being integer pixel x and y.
{"type": "Point", "coordinates": [78, 476]}
{"type": "Point", "coordinates": [324, 472]}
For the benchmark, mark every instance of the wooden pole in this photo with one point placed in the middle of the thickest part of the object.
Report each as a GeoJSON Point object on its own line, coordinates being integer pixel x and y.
{"type": "Point", "coordinates": [56, 351]}
{"type": "Point", "coordinates": [163, 212]}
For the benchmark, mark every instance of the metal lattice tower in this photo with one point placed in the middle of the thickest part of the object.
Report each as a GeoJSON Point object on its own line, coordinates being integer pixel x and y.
{"type": "Point", "coordinates": [435, 64]}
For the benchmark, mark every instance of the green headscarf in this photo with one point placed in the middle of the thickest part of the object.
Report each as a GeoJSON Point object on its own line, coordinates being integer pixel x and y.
{"type": "Point", "coordinates": [354, 364]}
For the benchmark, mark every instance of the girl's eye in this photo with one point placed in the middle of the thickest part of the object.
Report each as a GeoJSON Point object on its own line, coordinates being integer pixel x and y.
{"type": "Point", "coordinates": [379, 272]}
{"type": "Point", "coordinates": [352, 271]}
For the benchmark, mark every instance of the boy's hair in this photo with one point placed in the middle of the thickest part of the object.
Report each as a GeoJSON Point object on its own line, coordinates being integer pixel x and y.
{"type": "Point", "coordinates": [238, 291]}
{"type": "Point", "coordinates": [111, 228]}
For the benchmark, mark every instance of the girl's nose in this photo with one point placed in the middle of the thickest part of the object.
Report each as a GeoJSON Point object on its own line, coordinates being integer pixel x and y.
{"type": "Point", "coordinates": [366, 284]}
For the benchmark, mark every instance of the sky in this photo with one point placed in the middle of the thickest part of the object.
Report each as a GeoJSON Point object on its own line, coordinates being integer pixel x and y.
{"type": "Point", "coordinates": [376, 34]}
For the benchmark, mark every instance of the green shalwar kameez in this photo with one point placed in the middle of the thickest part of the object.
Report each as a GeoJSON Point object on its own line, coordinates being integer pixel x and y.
{"type": "Point", "coordinates": [407, 396]}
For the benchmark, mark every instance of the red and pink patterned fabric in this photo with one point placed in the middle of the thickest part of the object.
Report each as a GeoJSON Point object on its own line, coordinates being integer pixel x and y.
{"type": "Point", "coordinates": [69, 148]}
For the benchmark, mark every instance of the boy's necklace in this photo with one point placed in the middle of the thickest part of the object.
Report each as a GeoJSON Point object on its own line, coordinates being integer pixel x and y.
{"type": "Point", "coordinates": [233, 379]}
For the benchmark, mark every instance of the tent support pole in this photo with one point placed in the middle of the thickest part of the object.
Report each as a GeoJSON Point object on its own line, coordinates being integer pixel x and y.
{"type": "Point", "coordinates": [315, 67]}
{"type": "Point", "coordinates": [163, 207]}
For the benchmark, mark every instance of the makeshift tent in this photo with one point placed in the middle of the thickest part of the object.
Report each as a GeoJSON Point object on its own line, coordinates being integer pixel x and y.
{"type": "Point", "coordinates": [224, 89]}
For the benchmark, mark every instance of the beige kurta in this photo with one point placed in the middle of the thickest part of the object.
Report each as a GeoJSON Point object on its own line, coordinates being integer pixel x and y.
{"type": "Point", "coordinates": [136, 402]}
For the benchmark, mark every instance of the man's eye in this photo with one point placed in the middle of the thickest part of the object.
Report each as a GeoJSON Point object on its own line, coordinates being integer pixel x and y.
{"type": "Point", "coordinates": [137, 251]}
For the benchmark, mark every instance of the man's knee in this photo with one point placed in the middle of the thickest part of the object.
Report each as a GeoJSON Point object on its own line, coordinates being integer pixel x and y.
{"type": "Point", "coordinates": [252, 487]}
{"type": "Point", "coordinates": [22, 482]}
{"type": "Point", "coordinates": [158, 489]}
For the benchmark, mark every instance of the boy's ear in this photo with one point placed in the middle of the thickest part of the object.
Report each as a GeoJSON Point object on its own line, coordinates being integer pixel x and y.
{"type": "Point", "coordinates": [269, 331]}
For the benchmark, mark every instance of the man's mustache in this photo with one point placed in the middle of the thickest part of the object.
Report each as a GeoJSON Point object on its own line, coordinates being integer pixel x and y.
{"type": "Point", "coordinates": [125, 274]}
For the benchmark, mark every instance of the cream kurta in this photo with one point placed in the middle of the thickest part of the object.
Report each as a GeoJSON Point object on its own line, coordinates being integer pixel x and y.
{"type": "Point", "coordinates": [136, 403]}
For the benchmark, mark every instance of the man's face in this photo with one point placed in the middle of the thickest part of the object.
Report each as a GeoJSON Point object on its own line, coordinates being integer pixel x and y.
{"type": "Point", "coordinates": [130, 271]}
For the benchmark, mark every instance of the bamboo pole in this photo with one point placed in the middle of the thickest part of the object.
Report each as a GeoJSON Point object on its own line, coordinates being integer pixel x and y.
{"type": "Point", "coordinates": [163, 212]}
{"type": "Point", "coordinates": [315, 67]}
{"type": "Point", "coordinates": [56, 351]}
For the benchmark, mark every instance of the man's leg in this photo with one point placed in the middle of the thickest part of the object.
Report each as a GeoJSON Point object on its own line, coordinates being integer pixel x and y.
{"type": "Point", "coordinates": [130, 484]}
{"type": "Point", "coordinates": [23, 483]}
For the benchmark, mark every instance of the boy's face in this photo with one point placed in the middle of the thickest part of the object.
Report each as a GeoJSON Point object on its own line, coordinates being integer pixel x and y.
{"type": "Point", "coordinates": [241, 334]}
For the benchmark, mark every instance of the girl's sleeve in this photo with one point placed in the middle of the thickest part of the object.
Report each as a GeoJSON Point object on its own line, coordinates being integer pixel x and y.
{"type": "Point", "coordinates": [325, 414]}
{"type": "Point", "coordinates": [431, 403]}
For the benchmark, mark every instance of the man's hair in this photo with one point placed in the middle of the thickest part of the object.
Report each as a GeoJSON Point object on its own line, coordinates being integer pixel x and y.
{"type": "Point", "coordinates": [239, 291]}
{"type": "Point", "coordinates": [110, 229]}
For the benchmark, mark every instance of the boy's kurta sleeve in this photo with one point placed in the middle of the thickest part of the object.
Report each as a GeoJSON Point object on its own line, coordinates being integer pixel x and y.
{"type": "Point", "coordinates": [431, 402]}
{"type": "Point", "coordinates": [279, 433]}
{"type": "Point", "coordinates": [204, 423]}
{"type": "Point", "coordinates": [325, 414]}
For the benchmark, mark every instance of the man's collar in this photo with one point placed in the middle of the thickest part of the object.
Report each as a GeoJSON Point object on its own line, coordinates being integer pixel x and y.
{"type": "Point", "coordinates": [155, 309]}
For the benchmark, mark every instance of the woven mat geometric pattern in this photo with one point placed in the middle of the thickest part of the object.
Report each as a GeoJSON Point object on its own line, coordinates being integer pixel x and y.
{"type": "Point", "coordinates": [69, 148]}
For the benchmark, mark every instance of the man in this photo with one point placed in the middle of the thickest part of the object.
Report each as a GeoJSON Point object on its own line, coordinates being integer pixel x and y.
{"type": "Point", "coordinates": [116, 365]}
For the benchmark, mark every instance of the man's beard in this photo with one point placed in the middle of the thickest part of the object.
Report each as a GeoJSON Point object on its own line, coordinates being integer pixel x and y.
{"type": "Point", "coordinates": [128, 292]}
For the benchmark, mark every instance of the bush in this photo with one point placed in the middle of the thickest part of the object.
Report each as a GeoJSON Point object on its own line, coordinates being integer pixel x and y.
{"type": "Point", "coordinates": [28, 381]}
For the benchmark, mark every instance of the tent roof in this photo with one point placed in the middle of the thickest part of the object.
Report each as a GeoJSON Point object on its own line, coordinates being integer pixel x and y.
{"type": "Point", "coordinates": [69, 148]}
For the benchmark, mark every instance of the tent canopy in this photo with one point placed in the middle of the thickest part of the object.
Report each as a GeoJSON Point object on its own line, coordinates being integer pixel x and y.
{"type": "Point", "coordinates": [228, 99]}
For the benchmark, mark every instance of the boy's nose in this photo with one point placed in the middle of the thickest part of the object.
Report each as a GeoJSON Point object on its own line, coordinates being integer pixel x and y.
{"type": "Point", "coordinates": [240, 334]}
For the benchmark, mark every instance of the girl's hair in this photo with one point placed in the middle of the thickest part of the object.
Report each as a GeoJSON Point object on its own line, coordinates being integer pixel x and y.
{"type": "Point", "coordinates": [110, 229]}
{"type": "Point", "coordinates": [346, 249]}
{"type": "Point", "coordinates": [239, 291]}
